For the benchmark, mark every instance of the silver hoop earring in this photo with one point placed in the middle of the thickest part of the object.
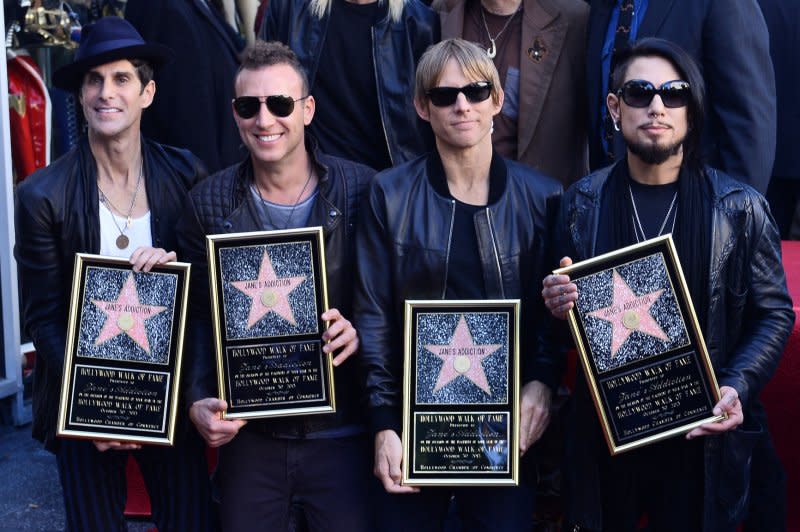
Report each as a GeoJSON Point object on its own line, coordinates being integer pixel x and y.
{"type": "Point", "coordinates": [616, 125]}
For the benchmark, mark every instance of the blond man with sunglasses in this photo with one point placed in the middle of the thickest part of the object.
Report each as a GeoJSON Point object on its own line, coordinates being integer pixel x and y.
{"type": "Point", "coordinates": [473, 225]}
{"type": "Point", "coordinates": [317, 462]}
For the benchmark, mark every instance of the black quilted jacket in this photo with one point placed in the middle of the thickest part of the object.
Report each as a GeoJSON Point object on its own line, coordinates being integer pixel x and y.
{"type": "Point", "coordinates": [223, 204]}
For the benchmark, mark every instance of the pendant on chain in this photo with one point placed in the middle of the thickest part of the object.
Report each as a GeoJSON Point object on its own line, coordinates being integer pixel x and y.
{"type": "Point", "coordinates": [122, 241]}
{"type": "Point", "coordinates": [492, 50]}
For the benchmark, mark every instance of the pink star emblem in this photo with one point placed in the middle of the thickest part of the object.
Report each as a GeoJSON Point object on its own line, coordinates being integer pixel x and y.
{"type": "Point", "coordinates": [462, 357]}
{"type": "Point", "coordinates": [126, 315]}
{"type": "Point", "coordinates": [629, 312]}
{"type": "Point", "coordinates": [269, 293]}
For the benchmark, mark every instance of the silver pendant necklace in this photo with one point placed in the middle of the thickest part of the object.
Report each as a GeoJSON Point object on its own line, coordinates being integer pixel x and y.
{"type": "Point", "coordinates": [122, 240]}
{"type": "Point", "coordinates": [637, 222]}
{"type": "Point", "coordinates": [492, 50]}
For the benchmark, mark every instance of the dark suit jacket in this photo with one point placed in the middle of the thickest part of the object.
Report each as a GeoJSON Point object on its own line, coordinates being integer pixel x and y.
{"type": "Point", "coordinates": [551, 129]}
{"type": "Point", "coordinates": [729, 41]}
{"type": "Point", "coordinates": [783, 21]}
{"type": "Point", "coordinates": [192, 107]}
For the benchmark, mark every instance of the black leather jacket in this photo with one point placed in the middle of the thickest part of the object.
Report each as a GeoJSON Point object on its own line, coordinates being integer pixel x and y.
{"type": "Point", "coordinates": [396, 49]}
{"type": "Point", "coordinates": [749, 319]}
{"type": "Point", "coordinates": [56, 217]}
{"type": "Point", "coordinates": [224, 204]}
{"type": "Point", "coordinates": [403, 253]}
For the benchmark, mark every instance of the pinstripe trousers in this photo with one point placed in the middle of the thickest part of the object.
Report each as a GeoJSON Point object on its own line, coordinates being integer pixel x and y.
{"type": "Point", "coordinates": [95, 490]}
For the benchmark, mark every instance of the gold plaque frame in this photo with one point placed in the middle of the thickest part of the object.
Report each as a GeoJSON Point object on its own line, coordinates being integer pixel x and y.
{"type": "Point", "coordinates": [122, 362]}
{"type": "Point", "coordinates": [270, 362]}
{"type": "Point", "coordinates": [659, 382]}
{"type": "Point", "coordinates": [472, 420]}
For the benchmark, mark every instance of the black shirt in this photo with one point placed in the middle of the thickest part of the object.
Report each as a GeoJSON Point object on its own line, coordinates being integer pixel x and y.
{"type": "Point", "coordinates": [347, 122]}
{"type": "Point", "coordinates": [464, 272]}
{"type": "Point", "coordinates": [652, 205]}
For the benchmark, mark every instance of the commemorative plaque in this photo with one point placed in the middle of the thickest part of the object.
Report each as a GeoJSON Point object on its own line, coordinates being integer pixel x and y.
{"type": "Point", "coordinates": [640, 345]}
{"type": "Point", "coordinates": [123, 353]}
{"type": "Point", "coordinates": [461, 393]}
{"type": "Point", "coordinates": [268, 291]}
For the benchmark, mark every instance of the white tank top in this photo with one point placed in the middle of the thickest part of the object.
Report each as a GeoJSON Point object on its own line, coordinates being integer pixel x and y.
{"type": "Point", "coordinates": [138, 233]}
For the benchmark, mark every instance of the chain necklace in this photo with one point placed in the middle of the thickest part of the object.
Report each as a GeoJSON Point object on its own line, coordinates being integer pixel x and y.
{"type": "Point", "coordinates": [492, 50]}
{"type": "Point", "coordinates": [637, 223]}
{"type": "Point", "coordinates": [294, 206]}
{"type": "Point", "coordinates": [122, 240]}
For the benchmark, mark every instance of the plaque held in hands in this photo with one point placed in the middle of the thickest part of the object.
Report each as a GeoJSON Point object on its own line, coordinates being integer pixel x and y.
{"type": "Point", "coordinates": [123, 352]}
{"type": "Point", "coordinates": [640, 345]}
{"type": "Point", "coordinates": [268, 291]}
{"type": "Point", "coordinates": [461, 393]}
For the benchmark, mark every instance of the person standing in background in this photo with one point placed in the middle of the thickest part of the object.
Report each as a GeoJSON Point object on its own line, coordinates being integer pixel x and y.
{"type": "Point", "coordinates": [728, 39]}
{"type": "Point", "coordinates": [360, 56]}
{"type": "Point", "coordinates": [783, 22]}
{"type": "Point", "coordinates": [193, 109]}
{"type": "Point", "coordinates": [539, 49]}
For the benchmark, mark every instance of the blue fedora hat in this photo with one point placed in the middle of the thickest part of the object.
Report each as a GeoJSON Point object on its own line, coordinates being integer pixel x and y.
{"type": "Point", "coordinates": [107, 40]}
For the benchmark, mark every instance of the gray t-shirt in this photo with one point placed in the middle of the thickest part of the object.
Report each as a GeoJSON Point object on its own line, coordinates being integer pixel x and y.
{"type": "Point", "coordinates": [275, 216]}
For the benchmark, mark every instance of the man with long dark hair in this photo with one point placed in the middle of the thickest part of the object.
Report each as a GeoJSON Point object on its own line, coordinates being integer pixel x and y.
{"type": "Point", "coordinates": [730, 252]}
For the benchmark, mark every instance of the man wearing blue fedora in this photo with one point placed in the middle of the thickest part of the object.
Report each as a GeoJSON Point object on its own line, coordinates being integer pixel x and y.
{"type": "Point", "coordinates": [115, 194]}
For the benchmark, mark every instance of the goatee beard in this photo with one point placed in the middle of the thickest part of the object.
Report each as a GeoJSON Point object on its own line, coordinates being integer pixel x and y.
{"type": "Point", "coordinates": [654, 154]}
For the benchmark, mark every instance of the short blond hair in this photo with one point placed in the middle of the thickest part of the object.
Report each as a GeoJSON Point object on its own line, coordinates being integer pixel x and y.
{"type": "Point", "coordinates": [473, 60]}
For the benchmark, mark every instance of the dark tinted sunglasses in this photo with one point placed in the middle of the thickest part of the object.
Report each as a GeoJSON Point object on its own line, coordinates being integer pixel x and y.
{"type": "Point", "coordinates": [639, 93]}
{"type": "Point", "coordinates": [279, 105]}
{"type": "Point", "coordinates": [474, 92]}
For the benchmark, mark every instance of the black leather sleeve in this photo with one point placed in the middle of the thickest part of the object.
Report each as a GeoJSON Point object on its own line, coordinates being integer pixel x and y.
{"type": "Point", "coordinates": [766, 309]}
{"type": "Point", "coordinates": [199, 374]}
{"type": "Point", "coordinates": [546, 333]}
{"type": "Point", "coordinates": [373, 314]}
{"type": "Point", "coordinates": [37, 251]}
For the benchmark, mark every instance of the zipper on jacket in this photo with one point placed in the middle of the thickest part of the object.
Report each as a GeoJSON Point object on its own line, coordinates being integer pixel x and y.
{"type": "Point", "coordinates": [380, 103]}
{"type": "Point", "coordinates": [496, 253]}
{"type": "Point", "coordinates": [449, 242]}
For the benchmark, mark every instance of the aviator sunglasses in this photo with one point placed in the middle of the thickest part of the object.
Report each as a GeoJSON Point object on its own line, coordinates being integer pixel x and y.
{"type": "Point", "coordinates": [474, 92]}
{"type": "Point", "coordinates": [639, 93]}
{"type": "Point", "coordinates": [279, 105]}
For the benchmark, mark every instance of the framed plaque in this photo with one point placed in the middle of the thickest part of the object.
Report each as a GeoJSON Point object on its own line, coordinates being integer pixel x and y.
{"type": "Point", "coordinates": [123, 356]}
{"type": "Point", "coordinates": [461, 393]}
{"type": "Point", "coordinates": [640, 345]}
{"type": "Point", "coordinates": [268, 291]}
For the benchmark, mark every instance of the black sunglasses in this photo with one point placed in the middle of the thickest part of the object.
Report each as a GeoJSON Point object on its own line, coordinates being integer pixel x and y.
{"type": "Point", "coordinates": [474, 92]}
{"type": "Point", "coordinates": [639, 93]}
{"type": "Point", "coordinates": [279, 105]}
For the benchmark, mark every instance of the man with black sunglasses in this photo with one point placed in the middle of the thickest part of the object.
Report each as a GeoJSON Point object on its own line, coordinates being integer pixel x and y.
{"type": "Point", "coordinates": [729, 251]}
{"type": "Point", "coordinates": [459, 223]}
{"type": "Point", "coordinates": [318, 462]}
